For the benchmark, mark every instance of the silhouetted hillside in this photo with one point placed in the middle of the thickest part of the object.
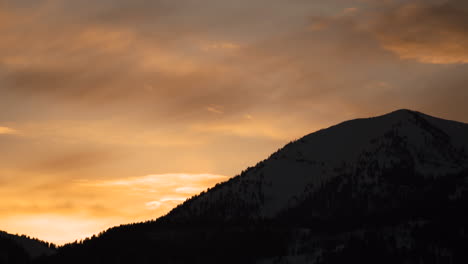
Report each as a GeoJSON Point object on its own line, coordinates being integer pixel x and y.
{"type": "Point", "coordinates": [22, 249]}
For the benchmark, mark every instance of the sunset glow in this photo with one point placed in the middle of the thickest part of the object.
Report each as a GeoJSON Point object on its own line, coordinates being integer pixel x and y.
{"type": "Point", "coordinates": [81, 208]}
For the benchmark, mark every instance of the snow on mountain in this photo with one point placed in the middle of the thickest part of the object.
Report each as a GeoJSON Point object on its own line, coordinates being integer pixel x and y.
{"type": "Point", "coordinates": [426, 145]}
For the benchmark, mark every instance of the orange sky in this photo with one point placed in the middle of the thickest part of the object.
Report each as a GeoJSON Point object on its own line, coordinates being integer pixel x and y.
{"type": "Point", "coordinates": [115, 111]}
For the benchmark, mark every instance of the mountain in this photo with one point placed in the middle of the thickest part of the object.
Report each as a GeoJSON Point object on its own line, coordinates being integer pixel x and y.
{"type": "Point", "coordinates": [362, 150]}
{"type": "Point", "coordinates": [388, 189]}
{"type": "Point", "coordinates": [22, 249]}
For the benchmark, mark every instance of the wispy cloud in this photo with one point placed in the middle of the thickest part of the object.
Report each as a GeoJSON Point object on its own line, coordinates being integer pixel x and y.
{"type": "Point", "coordinates": [163, 190]}
{"type": "Point", "coordinates": [7, 130]}
{"type": "Point", "coordinates": [157, 179]}
{"type": "Point", "coordinates": [158, 192]}
{"type": "Point", "coordinates": [215, 109]}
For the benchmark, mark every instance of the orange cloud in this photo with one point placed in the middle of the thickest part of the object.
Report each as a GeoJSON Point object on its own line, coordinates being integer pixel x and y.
{"type": "Point", "coordinates": [427, 32]}
{"type": "Point", "coordinates": [7, 130]}
{"type": "Point", "coordinates": [215, 109]}
{"type": "Point", "coordinates": [219, 46]}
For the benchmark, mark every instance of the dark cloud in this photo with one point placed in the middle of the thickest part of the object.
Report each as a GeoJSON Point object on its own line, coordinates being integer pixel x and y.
{"type": "Point", "coordinates": [175, 59]}
{"type": "Point", "coordinates": [170, 60]}
{"type": "Point", "coordinates": [427, 31]}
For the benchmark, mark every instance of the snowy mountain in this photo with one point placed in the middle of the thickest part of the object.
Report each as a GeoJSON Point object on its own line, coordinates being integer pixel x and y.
{"type": "Point", "coordinates": [362, 149]}
{"type": "Point", "coordinates": [388, 189]}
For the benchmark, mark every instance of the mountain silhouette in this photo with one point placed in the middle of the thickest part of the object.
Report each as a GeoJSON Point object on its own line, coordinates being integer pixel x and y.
{"type": "Point", "coordinates": [22, 249]}
{"type": "Point", "coordinates": [388, 189]}
{"type": "Point", "coordinates": [397, 150]}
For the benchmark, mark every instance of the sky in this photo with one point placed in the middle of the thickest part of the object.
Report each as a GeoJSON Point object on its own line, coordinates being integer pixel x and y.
{"type": "Point", "coordinates": [115, 111]}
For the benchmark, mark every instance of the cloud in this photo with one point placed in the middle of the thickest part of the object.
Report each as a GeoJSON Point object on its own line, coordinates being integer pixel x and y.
{"type": "Point", "coordinates": [427, 31]}
{"type": "Point", "coordinates": [244, 128]}
{"type": "Point", "coordinates": [158, 192]}
{"type": "Point", "coordinates": [71, 162]}
{"type": "Point", "coordinates": [172, 182]}
{"type": "Point", "coordinates": [7, 130]}
{"type": "Point", "coordinates": [220, 46]}
{"type": "Point", "coordinates": [112, 52]}
{"type": "Point", "coordinates": [153, 205]}
{"type": "Point", "coordinates": [215, 109]}
{"type": "Point", "coordinates": [121, 59]}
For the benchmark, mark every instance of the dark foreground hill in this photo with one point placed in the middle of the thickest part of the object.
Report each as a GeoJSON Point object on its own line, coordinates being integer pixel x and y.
{"type": "Point", "coordinates": [389, 189]}
{"type": "Point", "coordinates": [16, 249]}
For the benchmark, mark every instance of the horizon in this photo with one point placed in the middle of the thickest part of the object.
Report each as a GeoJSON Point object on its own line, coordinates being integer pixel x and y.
{"type": "Point", "coordinates": [114, 112]}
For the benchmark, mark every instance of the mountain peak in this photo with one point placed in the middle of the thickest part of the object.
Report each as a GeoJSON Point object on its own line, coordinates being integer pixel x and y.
{"type": "Point", "coordinates": [401, 114]}
{"type": "Point", "coordinates": [403, 111]}
{"type": "Point", "coordinates": [389, 118]}
{"type": "Point", "coordinates": [430, 146]}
